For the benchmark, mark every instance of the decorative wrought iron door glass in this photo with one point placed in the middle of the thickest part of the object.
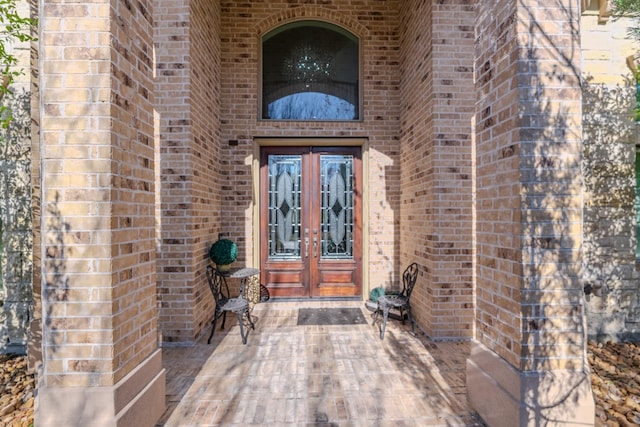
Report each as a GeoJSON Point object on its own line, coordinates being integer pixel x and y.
{"type": "Point", "coordinates": [285, 173]}
{"type": "Point", "coordinates": [336, 174]}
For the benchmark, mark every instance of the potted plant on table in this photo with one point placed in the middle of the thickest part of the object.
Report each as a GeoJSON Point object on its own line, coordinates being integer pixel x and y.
{"type": "Point", "coordinates": [223, 252]}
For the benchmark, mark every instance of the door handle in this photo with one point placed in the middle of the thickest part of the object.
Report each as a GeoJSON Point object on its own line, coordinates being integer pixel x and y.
{"type": "Point", "coordinates": [306, 247]}
{"type": "Point", "coordinates": [315, 247]}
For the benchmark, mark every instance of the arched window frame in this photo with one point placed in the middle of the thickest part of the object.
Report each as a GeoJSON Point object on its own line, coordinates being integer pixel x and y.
{"type": "Point", "coordinates": [316, 23]}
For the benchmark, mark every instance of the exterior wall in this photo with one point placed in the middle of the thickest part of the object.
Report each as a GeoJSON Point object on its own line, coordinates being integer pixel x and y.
{"type": "Point", "coordinates": [16, 296]}
{"type": "Point", "coordinates": [498, 320]}
{"type": "Point", "coordinates": [97, 139]}
{"type": "Point", "coordinates": [437, 104]}
{"type": "Point", "coordinates": [605, 45]}
{"type": "Point", "coordinates": [101, 363]}
{"type": "Point", "coordinates": [612, 280]}
{"type": "Point", "coordinates": [95, 148]}
{"type": "Point", "coordinates": [205, 170]}
{"type": "Point", "coordinates": [376, 23]}
{"type": "Point", "coordinates": [528, 363]}
{"type": "Point", "coordinates": [190, 167]}
{"type": "Point", "coordinates": [208, 150]}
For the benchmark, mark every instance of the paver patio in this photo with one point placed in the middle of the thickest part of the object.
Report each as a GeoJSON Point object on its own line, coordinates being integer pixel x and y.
{"type": "Point", "coordinates": [343, 375]}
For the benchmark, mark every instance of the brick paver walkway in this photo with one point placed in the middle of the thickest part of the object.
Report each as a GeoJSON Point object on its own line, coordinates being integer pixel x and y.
{"type": "Point", "coordinates": [289, 375]}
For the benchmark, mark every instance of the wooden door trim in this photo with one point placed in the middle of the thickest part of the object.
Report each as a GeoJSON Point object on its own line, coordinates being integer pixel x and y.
{"type": "Point", "coordinates": [309, 142]}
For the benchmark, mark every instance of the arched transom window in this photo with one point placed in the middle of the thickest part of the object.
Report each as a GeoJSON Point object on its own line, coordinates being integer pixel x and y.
{"type": "Point", "coordinates": [310, 71]}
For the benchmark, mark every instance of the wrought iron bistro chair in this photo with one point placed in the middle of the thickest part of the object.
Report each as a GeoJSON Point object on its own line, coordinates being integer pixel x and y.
{"type": "Point", "coordinates": [224, 304]}
{"type": "Point", "coordinates": [400, 301]}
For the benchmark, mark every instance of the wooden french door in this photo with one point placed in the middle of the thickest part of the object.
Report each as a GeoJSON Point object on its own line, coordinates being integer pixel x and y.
{"type": "Point", "coordinates": [311, 221]}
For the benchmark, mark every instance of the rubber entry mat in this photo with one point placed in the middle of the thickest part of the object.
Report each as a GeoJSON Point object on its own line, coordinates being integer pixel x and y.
{"type": "Point", "coordinates": [330, 316]}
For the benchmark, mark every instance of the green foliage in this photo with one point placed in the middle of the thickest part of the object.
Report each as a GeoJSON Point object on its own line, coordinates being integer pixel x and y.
{"type": "Point", "coordinates": [625, 7]}
{"type": "Point", "coordinates": [629, 8]}
{"type": "Point", "coordinates": [376, 293]}
{"type": "Point", "coordinates": [13, 28]}
{"type": "Point", "coordinates": [223, 252]}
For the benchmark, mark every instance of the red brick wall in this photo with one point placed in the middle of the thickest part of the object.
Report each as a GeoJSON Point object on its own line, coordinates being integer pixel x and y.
{"type": "Point", "coordinates": [437, 161]}
{"type": "Point", "coordinates": [207, 152]}
{"type": "Point", "coordinates": [173, 170]}
{"type": "Point", "coordinates": [205, 175]}
{"type": "Point", "coordinates": [190, 166]}
{"type": "Point", "coordinates": [206, 138]}
{"type": "Point", "coordinates": [529, 197]}
{"type": "Point", "coordinates": [376, 23]}
{"type": "Point", "coordinates": [135, 320]}
{"type": "Point", "coordinates": [498, 182]}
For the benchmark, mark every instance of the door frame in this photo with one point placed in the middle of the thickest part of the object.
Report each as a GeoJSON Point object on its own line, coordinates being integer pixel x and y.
{"type": "Point", "coordinates": [363, 143]}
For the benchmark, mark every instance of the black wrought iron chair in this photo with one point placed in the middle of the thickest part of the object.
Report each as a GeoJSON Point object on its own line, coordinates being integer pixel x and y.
{"type": "Point", "coordinates": [224, 304]}
{"type": "Point", "coordinates": [400, 301]}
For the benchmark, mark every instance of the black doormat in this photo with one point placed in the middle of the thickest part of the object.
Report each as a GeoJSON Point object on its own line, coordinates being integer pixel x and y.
{"type": "Point", "coordinates": [330, 316]}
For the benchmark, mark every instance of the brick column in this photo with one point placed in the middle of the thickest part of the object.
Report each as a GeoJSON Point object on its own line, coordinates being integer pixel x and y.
{"type": "Point", "coordinates": [528, 364]}
{"type": "Point", "coordinates": [101, 362]}
{"type": "Point", "coordinates": [437, 169]}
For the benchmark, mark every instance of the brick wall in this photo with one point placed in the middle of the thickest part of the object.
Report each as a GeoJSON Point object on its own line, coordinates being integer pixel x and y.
{"type": "Point", "coordinates": [218, 196]}
{"type": "Point", "coordinates": [498, 319]}
{"type": "Point", "coordinates": [376, 23]}
{"type": "Point", "coordinates": [101, 363]}
{"type": "Point", "coordinates": [34, 346]}
{"type": "Point", "coordinates": [207, 157]}
{"type": "Point", "coordinates": [611, 277]}
{"type": "Point", "coordinates": [529, 188]}
{"type": "Point", "coordinates": [133, 251]}
{"type": "Point", "coordinates": [528, 360]}
{"type": "Point", "coordinates": [605, 45]}
{"type": "Point", "coordinates": [173, 171]}
{"type": "Point", "coordinates": [98, 192]}
{"type": "Point", "coordinates": [436, 218]}
{"type": "Point", "coordinates": [190, 165]}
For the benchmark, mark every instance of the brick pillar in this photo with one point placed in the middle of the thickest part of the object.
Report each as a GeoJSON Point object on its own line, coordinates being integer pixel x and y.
{"type": "Point", "coordinates": [101, 362]}
{"type": "Point", "coordinates": [437, 171]}
{"type": "Point", "coordinates": [528, 364]}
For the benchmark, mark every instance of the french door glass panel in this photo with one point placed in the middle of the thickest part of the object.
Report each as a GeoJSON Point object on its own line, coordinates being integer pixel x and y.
{"type": "Point", "coordinates": [336, 207]}
{"type": "Point", "coordinates": [336, 176]}
{"type": "Point", "coordinates": [285, 175]}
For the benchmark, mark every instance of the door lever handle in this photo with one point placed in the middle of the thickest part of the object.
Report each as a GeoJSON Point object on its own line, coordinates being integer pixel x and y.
{"type": "Point", "coordinates": [315, 247]}
{"type": "Point", "coordinates": [306, 247]}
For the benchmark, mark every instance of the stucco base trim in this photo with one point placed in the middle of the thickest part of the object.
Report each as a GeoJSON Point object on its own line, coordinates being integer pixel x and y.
{"type": "Point", "coordinates": [506, 397]}
{"type": "Point", "coordinates": [137, 400]}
